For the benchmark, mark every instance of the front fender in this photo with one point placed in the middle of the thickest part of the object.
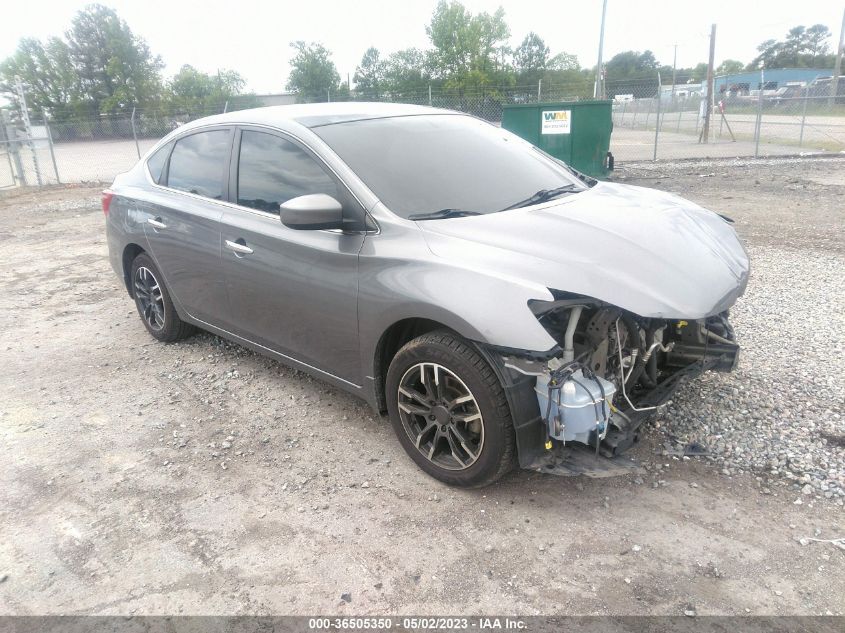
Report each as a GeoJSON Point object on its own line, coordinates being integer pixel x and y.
{"type": "Point", "coordinates": [478, 306]}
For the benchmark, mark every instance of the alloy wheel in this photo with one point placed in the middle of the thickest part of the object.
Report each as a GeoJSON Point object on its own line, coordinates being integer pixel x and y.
{"type": "Point", "coordinates": [149, 297]}
{"type": "Point", "coordinates": [441, 416]}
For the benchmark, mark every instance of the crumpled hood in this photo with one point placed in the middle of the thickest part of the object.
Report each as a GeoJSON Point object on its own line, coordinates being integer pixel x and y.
{"type": "Point", "coordinates": [647, 251]}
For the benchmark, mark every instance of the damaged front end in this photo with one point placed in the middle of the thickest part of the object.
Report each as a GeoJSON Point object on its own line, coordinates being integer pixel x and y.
{"type": "Point", "coordinates": [609, 372]}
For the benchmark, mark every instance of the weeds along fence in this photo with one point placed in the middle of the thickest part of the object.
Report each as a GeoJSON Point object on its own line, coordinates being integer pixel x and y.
{"type": "Point", "coordinates": [650, 122]}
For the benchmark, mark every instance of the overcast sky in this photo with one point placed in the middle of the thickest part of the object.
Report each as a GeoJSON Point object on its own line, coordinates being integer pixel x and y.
{"type": "Point", "coordinates": [253, 37]}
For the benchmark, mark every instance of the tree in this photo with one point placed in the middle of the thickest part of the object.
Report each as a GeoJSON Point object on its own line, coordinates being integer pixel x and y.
{"type": "Point", "coordinates": [369, 75]}
{"type": "Point", "coordinates": [194, 92]}
{"type": "Point", "coordinates": [115, 67]}
{"type": "Point", "coordinates": [793, 44]}
{"type": "Point", "coordinates": [466, 47]}
{"type": "Point", "coordinates": [632, 72]}
{"type": "Point", "coordinates": [490, 33]}
{"type": "Point", "coordinates": [697, 74]}
{"type": "Point", "coordinates": [406, 74]}
{"type": "Point", "coordinates": [530, 59]}
{"type": "Point", "coordinates": [769, 51]}
{"type": "Point", "coordinates": [814, 41]}
{"type": "Point", "coordinates": [631, 65]}
{"type": "Point", "coordinates": [448, 32]}
{"type": "Point", "coordinates": [313, 74]}
{"type": "Point", "coordinates": [801, 48]}
{"type": "Point", "coordinates": [341, 92]}
{"type": "Point", "coordinates": [100, 67]}
{"type": "Point", "coordinates": [564, 62]}
{"type": "Point", "coordinates": [565, 78]}
{"type": "Point", "coordinates": [730, 67]}
{"type": "Point", "coordinates": [48, 74]}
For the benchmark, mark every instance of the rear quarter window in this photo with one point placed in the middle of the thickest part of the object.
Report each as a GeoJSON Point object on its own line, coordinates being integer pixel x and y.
{"type": "Point", "coordinates": [156, 162]}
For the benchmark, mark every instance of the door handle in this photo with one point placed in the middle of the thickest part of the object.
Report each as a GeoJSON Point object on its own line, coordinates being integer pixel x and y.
{"type": "Point", "coordinates": [238, 248]}
{"type": "Point", "coordinates": [156, 223]}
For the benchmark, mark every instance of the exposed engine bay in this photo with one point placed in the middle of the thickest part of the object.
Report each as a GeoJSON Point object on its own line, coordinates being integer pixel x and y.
{"type": "Point", "coordinates": [613, 369]}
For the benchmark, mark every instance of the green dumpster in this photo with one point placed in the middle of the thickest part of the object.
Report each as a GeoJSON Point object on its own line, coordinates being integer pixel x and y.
{"type": "Point", "coordinates": [576, 132]}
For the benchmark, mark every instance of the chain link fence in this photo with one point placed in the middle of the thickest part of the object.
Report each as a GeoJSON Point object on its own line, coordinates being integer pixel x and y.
{"type": "Point", "coordinates": [26, 158]}
{"type": "Point", "coordinates": [650, 122]}
{"type": "Point", "coordinates": [77, 150]}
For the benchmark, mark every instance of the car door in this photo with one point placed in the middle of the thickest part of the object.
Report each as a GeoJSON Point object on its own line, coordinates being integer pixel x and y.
{"type": "Point", "coordinates": [182, 223]}
{"type": "Point", "coordinates": [293, 291]}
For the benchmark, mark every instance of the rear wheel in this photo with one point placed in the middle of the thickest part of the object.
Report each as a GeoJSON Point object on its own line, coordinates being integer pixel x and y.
{"type": "Point", "coordinates": [449, 411]}
{"type": "Point", "coordinates": [154, 304]}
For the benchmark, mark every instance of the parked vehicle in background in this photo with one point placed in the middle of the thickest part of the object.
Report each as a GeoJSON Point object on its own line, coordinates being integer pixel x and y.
{"type": "Point", "coordinates": [500, 306]}
{"type": "Point", "coordinates": [823, 87]}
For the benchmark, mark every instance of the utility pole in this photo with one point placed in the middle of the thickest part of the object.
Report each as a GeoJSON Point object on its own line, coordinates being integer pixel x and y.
{"type": "Point", "coordinates": [705, 131]}
{"type": "Point", "coordinates": [657, 126]}
{"type": "Point", "coordinates": [758, 127]}
{"type": "Point", "coordinates": [674, 68]}
{"type": "Point", "coordinates": [834, 88]}
{"type": "Point", "coordinates": [598, 92]}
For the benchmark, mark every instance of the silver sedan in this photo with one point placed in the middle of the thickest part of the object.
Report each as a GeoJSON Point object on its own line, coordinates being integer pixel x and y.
{"type": "Point", "coordinates": [501, 307]}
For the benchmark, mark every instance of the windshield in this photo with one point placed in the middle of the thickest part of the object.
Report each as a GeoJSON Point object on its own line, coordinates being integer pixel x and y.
{"type": "Point", "coordinates": [420, 165]}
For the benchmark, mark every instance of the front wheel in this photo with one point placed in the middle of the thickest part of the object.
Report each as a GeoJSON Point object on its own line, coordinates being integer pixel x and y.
{"type": "Point", "coordinates": [449, 411]}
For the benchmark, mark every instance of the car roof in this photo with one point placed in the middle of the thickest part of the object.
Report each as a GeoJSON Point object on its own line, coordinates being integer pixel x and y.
{"type": "Point", "coordinates": [317, 114]}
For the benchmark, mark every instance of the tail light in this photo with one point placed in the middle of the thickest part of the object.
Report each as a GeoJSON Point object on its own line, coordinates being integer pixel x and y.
{"type": "Point", "coordinates": [107, 196]}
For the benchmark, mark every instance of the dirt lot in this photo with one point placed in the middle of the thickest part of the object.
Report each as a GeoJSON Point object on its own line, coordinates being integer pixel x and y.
{"type": "Point", "coordinates": [200, 478]}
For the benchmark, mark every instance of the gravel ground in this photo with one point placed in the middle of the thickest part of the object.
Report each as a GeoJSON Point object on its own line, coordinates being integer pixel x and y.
{"type": "Point", "coordinates": [781, 416]}
{"type": "Point", "coordinates": [199, 478]}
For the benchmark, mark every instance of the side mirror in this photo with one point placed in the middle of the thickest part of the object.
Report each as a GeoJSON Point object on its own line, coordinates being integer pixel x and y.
{"type": "Point", "coordinates": [312, 212]}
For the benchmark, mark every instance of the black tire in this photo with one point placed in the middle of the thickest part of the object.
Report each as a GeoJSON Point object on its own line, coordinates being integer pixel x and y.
{"type": "Point", "coordinates": [161, 319]}
{"type": "Point", "coordinates": [448, 351]}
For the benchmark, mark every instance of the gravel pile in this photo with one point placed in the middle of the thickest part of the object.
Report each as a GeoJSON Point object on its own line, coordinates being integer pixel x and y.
{"type": "Point", "coordinates": [781, 414]}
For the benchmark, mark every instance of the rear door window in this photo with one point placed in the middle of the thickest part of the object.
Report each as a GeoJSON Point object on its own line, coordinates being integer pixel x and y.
{"type": "Point", "coordinates": [273, 170]}
{"type": "Point", "coordinates": [198, 163]}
